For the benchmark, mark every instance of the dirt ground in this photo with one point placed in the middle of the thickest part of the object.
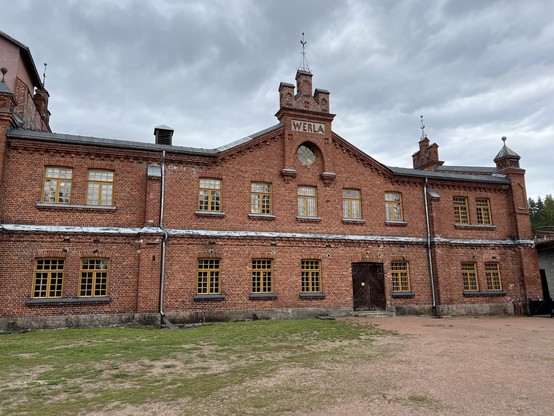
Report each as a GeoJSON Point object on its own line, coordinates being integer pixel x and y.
{"type": "Point", "coordinates": [460, 366]}
{"type": "Point", "coordinates": [449, 366]}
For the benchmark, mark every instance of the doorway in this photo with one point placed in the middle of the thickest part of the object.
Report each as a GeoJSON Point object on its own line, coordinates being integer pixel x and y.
{"type": "Point", "coordinates": [368, 286]}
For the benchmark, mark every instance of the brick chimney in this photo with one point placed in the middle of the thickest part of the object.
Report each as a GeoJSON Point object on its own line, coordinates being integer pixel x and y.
{"type": "Point", "coordinates": [427, 158]}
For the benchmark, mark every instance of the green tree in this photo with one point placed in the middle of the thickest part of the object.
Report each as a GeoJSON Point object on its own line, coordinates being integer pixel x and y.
{"type": "Point", "coordinates": [541, 211]}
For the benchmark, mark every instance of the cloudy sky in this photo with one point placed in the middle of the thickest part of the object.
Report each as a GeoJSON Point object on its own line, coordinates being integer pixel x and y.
{"type": "Point", "coordinates": [476, 70]}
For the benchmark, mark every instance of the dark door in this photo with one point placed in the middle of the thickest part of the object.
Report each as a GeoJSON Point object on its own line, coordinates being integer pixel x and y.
{"type": "Point", "coordinates": [368, 286]}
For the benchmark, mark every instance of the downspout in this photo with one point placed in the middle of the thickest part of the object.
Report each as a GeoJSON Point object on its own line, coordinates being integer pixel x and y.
{"type": "Point", "coordinates": [164, 240]}
{"type": "Point", "coordinates": [429, 248]}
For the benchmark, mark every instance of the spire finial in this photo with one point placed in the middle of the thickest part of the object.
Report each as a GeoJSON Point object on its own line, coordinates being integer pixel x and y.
{"type": "Point", "coordinates": [44, 76]}
{"type": "Point", "coordinates": [504, 139]}
{"type": "Point", "coordinates": [4, 72]}
{"type": "Point", "coordinates": [423, 135]}
{"type": "Point", "coordinates": [304, 62]}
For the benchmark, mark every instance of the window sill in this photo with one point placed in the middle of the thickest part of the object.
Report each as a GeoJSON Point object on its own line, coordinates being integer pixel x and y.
{"type": "Point", "coordinates": [43, 205]}
{"type": "Point", "coordinates": [211, 296]}
{"type": "Point", "coordinates": [403, 294]}
{"type": "Point", "coordinates": [66, 301]}
{"type": "Point", "coordinates": [491, 293]}
{"type": "Point", "coordinates": [353, 221]}
{"type": "Point", "coordinates": [262, 296]}
{"type": "Point", "coordinates": [485, 227]}
{"type": "Point", "coordinates": [396, 223]}
{"type": "Point", "coordinates": [210, 214]}
{"type": "Point", "coordinates": [308, 219]}
{"type": "Point", "coordinates": [312, 295]}
{"type": "Point", "coordinates": [266, 217]}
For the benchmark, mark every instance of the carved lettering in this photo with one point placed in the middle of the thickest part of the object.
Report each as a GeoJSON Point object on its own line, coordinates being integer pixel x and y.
{"type": "Point", "coordinates": [308, 127]}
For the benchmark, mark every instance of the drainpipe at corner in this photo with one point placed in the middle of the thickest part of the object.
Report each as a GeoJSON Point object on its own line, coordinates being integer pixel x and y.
{"type": "Point", "coordinates": [164, 240]}
{"type": "Point", "coordinates": [429, 249]}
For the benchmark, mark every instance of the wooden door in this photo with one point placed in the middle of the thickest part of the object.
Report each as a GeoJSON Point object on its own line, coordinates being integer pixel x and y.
{"type": "Point", "coordinates": [368, 286]}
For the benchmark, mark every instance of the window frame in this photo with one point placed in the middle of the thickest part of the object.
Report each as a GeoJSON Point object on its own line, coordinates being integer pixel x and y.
{"type": "Point", "coordinates": [210, 284]}
{"type": "Point", "coordinates": [310, 277]}
{"type": "Point", "coordinates": [260, 275]}
{"type": "Point", "coordinates": [484, 215]}
{"type": "Point", "coordinates": [306, 154]}
{"type": "Point", "coordinates": [470, 277]}
{"type": "Point", "coordinates": [47, 292]}
{"type": "Point", "coordinates": [211, 193]}
{"type": "Point", "coordinates": [304, 202]}
{"type": "Point", "coordinates": [261, 196]}
{"type": "Point", "coordinates": [61, 182]}
{"type": "Point", "coordinates": [349, 204]}
{"type": "Point", "coordinates": [461, 207]}
{"type": "Point", "coordinates": [494, 280]}
{"type": "Point", "coordinates": [98, 280]}
{"type": "Point", "coordinates": [393, 206]}
{"type": "Point", "coordinates": [400, 274]}
{"type": "Point", "coordinates": [102, 184]}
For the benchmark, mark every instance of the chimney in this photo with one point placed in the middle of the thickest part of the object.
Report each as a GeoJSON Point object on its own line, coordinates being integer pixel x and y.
{"type": "Point", "coordinates": [163, 134]}
{"type": "Point", "coordinates": [427, 158]}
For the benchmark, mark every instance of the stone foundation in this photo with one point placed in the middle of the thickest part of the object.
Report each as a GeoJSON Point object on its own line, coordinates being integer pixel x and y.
{"type": "Point", "coordinates": [77, 321]}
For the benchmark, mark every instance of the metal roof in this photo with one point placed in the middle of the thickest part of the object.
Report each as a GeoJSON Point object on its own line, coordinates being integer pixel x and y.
{"type": "Point", "coordinates": [247, 138]}
{"type": "Point", "coordinates": [483, 169]}
{"type": "Point", "coordinates": [96, 141]}
{"type": "Point", "coordinates": [418, 173]}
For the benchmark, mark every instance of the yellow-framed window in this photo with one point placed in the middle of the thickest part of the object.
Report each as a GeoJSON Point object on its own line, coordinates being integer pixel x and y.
{"type": "Point", "coordinates": [307, 201]}
{"type": "Point", "coordinates": [393, 206]}
{"type": "Point", "coordinates": [262, 276]}
{"type": "Point", "coordinates": [260, 198]}
{"type": "Point", "coordinates": [461, 212]}
{"type": "Point", "coordinates": [469, 276]}
{"type": "Point", "coordinates": [311, 276]}
{"type": "Point", "coordinates": [492, 271]}
{"type": "Point", "coordinates": [400, 276]}
{"type": "Point", "coordinates": [100, 187]}
{"type": "Point", "coordinates": [208, 274]}
{"type": "Point", "coordinates": [94, 277]}
{"type": "Point", "coordinates": [351, 204]}
{"type": "Point", "coordinates": [483, 211]}
{"type": "Point", "coordinates": [57, 185]}
{"type": "Point", "coordinates": [209, 194]}
{"type": "Point", "coordinates": [48, 278]}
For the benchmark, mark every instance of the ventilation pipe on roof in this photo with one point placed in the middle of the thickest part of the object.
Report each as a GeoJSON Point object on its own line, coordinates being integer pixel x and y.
{"type": "Point", "coordinates": [163, 134]}
{"type": "Point", "coordinates": [429, 248]}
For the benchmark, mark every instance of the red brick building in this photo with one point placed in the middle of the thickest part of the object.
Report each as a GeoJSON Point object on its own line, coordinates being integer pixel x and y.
{"type": "Point", "coordinates": [291, 221]}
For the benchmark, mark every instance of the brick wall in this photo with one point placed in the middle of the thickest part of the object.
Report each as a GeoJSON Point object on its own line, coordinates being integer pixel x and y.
{"type": "Point", "coordinates": [283, 237]}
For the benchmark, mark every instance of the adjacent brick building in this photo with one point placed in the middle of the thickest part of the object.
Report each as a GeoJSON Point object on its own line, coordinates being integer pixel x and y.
{"type": "Point", "coordinates": [290, 221]}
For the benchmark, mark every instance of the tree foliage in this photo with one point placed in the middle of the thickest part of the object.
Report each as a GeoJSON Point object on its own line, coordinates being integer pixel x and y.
{"type": "Point", "coordinates": [541, 211]}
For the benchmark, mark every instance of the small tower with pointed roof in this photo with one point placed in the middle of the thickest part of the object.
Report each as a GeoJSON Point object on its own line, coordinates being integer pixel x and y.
{"type": "Point", "coordinates": [507, 163]}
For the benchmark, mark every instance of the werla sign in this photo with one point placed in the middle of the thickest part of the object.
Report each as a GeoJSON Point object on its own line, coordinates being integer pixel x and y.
{"type": "Point", "coordinates": [308, 127]}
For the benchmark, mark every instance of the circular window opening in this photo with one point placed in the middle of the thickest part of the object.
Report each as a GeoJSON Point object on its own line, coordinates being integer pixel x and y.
{"type": "Point", "coordinates": [306, 154]}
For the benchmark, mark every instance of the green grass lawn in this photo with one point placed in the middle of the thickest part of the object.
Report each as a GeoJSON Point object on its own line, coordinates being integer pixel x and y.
{"type": "Point", "coordinates": [250, 368]}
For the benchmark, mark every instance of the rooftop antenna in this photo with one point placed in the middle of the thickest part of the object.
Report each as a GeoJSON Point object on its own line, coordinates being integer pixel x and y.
{"type": "Point", "coordinates": [44, 76]}
{"type": "Point", "coordinates": [423, 135]}
{"type": "Point", "coordinates": [304, 62]}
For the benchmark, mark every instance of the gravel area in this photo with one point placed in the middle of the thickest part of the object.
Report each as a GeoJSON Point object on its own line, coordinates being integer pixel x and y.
{"type": "Point", "coordinates": [459, 366]}
{"type": "Point", "coordinates": [448, 366]}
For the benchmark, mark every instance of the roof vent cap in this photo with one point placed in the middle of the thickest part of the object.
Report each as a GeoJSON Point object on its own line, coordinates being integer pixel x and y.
{"type": "Point", "coordinates": [163, 134]}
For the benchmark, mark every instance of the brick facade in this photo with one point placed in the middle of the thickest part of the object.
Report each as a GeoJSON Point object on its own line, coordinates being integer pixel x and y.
{"type": "Point", "coordinates": [154, 241]}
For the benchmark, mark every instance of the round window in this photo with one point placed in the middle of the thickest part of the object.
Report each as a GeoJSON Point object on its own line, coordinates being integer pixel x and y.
{"type": "Point", "coordinates": [306, 154]}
